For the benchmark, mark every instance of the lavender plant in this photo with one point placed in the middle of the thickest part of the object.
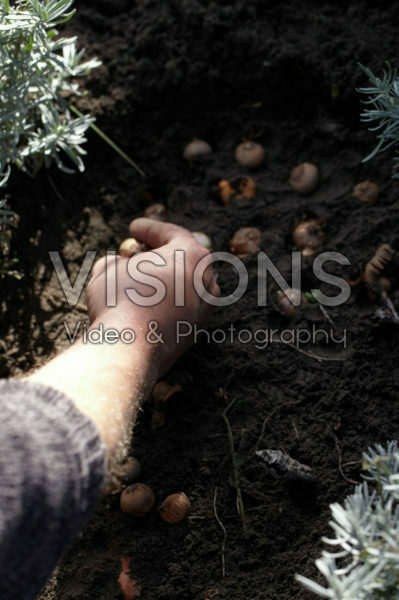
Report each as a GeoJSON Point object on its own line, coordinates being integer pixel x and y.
{"type": "Point", "coordinates": [38, 72]}
{"type": "Point", "coordinates": [365, 563]}
{"type": "Point", "coordinates": [383, 108]}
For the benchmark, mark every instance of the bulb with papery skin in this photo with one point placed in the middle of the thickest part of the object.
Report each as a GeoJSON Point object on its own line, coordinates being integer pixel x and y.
{"type": "Point", "coordinates": [175, 508]}
{"type": "Point", "coordinates": [129, 471]}
{"type": "Point", "coordinates": [196, 150]}
{"type": "Point", "coordinates": [366, 191]}
{"type": "Point", "coordinates": [304, 178]}
{"type": "Point", "coordinates": [289, 300]}
{"type": "Point", "coordinates": [203, 239]}
{"type": "Point", "coordinates": [308, 237]}
{"type": "Point", "coordinates": [137, 500]}
{"type": "Point", "coordinates": [245, 241]}
{"type": "Point", "coordinates": [130, 247]}
{"type": "Point", "coordinates": [250, 154]}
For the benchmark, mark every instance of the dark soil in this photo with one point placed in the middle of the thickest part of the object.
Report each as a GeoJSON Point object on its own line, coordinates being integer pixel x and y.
{"type": "Point", "coordinates": [221, 71]}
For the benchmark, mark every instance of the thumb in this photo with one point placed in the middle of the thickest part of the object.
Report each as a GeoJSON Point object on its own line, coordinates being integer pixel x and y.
{"type": "Point", "coordinates": [155, 233]}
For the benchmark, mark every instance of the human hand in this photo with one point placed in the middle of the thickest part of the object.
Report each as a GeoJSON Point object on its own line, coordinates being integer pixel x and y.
{"type": "Point", "coordinates": [165, 239]}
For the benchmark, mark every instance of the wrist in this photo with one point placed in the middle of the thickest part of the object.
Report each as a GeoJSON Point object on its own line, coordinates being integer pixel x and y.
{"type": "Point", "coordinates": [124, 342]}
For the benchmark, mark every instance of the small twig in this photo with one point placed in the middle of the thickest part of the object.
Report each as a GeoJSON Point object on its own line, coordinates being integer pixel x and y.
{"type": "Point", "coordinates": [295, 429]}
{"type": "Point", "coordinates": [110, 142]}
{"type": "Point", "coordinates": [390, 306]}
{"type": "Point", "coordinates": [55, 189]}
{"type": "Point", "coordinates": [222, 527]}
{"type": "Point", "coordinates": [310, 354]}
{"type": "Point", "coordinates": [235, 467]}
{"type": "Point", "coordinates": [267, 419]}
{"type": "Point", "coordinates": [326, 315]}
{"type": "Point", "coordinates": [262, 431]}
{"type": "Point", "coordinates": [340, 464]}
{"type": "Point", "coordinates": [351, 463]}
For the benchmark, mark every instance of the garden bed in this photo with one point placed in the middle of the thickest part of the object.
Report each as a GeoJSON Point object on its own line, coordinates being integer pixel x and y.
{"type": "Point", "coordinates": [221, 71]}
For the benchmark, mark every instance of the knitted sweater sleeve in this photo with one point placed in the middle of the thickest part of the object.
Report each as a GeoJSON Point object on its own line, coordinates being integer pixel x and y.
{"type": "Point", "coordinates": [51, 477]}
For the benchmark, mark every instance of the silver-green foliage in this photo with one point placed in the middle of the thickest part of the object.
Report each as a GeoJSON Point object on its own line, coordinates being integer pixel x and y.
{"type": "Point", "coordinates": [38, 72]}
{"type": "Point", "coordinates": [382, 107]}
{"type": "Point", "coordinates": [364, 561]}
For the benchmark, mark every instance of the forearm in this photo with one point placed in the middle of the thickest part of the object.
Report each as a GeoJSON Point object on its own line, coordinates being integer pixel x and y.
{"type": "Point", "coordinates": [106, 381]}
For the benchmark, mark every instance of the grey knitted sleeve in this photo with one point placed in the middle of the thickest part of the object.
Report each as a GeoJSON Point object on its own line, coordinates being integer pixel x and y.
{"type": "Point", "coordinates": [51, 476]}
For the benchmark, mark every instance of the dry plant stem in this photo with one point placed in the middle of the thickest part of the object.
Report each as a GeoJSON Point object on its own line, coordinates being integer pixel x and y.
{"type": "Point", "coordinates": [262, 431]}
{"type": "Point", "coordinates": [222, 527]}
{"type": "Point", "coordinates": [121, 153]}
{"type": "Point", "coordinates": [326, 315]}
{"type": "Point", "coordinates": [267, 419]}
{"type": "Point", "coordinates": [390, 306]}
{"type": "Point", "coordinates": [235, 467]}
{"type": "Point", "coordinates": [340, 464]}
{"type": "Point", "coordinates": [55, 189]}
{"type": "Point", "coordinates": [351, 463]}
{"type": "Point", "coordinates": [310, 354]}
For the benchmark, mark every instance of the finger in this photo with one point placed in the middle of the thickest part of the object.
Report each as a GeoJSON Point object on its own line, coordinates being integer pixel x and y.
{"type": "Point", "coordinates": [155, 233]}
{"type": "Point", "coordinates": [103, 263]}
{"type": "Point", "coordinates": [98, 266]}
{"type": "Point", "coordinates": [215, 289]}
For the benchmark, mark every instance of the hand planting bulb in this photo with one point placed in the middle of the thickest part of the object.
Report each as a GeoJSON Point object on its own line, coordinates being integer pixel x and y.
{"type": "Point", "coordinates": [308, 237]}
{"type": "Point", "coordinates": [245, 241]}
{"type": "Point", "coordinates": [304, 178]}
{"type": "Point", "coordinates": [250, 154]}
{"type": "Point", "coordinates": [175, 508]}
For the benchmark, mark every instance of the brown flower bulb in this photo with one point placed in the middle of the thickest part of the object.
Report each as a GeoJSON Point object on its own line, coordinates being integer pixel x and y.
{"type": "Point", "coordinates": [366, 191]}
{"type": "Point", "coordinates": [243, 187]}
{"type": "Point", "coordinates": [130, 247]}
{"type": "Point", "coordinates": [175, 508]}
{"type": "Point", "coordinates": [289, 300]}
{"type": "Point", "coordinates": [250, 154]}
{"type": "Point", "coordinates": [308, 237]}
{"type": "Point", "coordinates": [203, 239]}
{"type": "Point", "coordinates": [196, 150]}
{"type": "Point", "coordinates": [245, 241]}
{"type": "Point", "coordinates": [129, 471]}
{"type": "Point", "coordinates": [304, 178]}
{"type": "Point", "coordinates": [137, 500]}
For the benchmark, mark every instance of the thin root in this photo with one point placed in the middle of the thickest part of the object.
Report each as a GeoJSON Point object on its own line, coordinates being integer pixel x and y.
{"type": "Point", "coordinates": [222, 527]}
{"type": "Point", "coordinates": [340, 464]}
{"type": "Point", "coordinates": [390, 306]}
{"type": "Point", "coordinates": [235, 467]}
{"type": "Point", "coordinates": [310, 354]}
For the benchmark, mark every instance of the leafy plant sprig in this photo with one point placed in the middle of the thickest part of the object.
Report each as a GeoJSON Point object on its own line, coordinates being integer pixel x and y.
{"type": "Point", "coordinates": [38, 72]}
{"type": "Point", "coordinates": [365, 564]}
{"type": "Point", "coordinates": [383, 108]}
